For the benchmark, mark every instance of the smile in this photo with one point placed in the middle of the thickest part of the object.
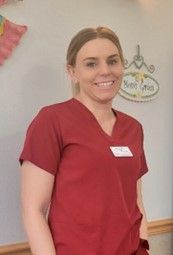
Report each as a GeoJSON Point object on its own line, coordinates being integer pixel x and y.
{"type": "Point", "coordinates": [107, 84]}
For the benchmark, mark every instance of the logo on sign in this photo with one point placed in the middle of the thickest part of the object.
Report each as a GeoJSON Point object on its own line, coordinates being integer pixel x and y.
{"type": "Point", "coordinates": [138, 84]}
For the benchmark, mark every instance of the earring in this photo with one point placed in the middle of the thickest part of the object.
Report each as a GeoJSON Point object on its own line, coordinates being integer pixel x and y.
{"type": "Point", "coordinates": [76, 81]}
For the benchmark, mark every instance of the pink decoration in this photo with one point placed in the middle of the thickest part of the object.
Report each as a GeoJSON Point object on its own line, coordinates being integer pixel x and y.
{"type": "Point", "coordinates": [9, 37]}
{"type": "Point", "coordinates": [2, 2]}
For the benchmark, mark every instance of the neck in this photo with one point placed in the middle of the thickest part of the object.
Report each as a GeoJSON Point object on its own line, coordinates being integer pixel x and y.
{"type": "Point", "coordinates": [102, 111]}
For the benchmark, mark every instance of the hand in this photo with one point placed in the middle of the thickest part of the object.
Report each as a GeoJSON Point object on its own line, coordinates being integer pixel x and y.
{"type": "Point", "coordinates": [143, 248]}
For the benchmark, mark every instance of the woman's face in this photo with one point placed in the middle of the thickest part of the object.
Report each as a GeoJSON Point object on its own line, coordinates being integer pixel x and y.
{"type": "Point", "coordinates": [98, 70]}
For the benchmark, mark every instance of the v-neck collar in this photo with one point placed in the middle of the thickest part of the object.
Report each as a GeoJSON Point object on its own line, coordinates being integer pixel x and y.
{"type": "Point", "coordinates": [84, 109]}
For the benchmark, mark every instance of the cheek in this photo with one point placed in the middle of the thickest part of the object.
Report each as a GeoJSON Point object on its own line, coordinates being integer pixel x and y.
{"type": "Point", "coordinates": [119, 72]}
{"type": "Point", "coordinates": [85, 76]}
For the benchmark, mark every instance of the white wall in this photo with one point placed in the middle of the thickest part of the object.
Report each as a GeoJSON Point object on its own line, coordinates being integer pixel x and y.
{"type": "Point", "coordinates": [35, 76]}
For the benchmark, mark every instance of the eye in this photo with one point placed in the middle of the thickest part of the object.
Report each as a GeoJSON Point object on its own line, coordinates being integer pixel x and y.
{"type": "Point", "coordinates": [112, 61]}
{"type": "Point", "coordinates": [91, 64]}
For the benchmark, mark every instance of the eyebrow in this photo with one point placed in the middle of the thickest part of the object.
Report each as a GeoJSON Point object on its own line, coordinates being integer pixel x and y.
{"type": "Point", "coordinates": [113, 56]}
{"type": "Point", "coordinates": [94, 58]}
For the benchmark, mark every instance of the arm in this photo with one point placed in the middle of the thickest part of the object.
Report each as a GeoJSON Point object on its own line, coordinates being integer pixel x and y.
{"type": "Point", "coordinates": [143, 228]}
{"type": "Point", "coordinates": [36, 190]}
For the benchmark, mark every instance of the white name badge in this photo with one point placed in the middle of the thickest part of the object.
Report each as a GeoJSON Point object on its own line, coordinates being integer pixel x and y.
{"type": "Point", "coordinates": [121, 151]}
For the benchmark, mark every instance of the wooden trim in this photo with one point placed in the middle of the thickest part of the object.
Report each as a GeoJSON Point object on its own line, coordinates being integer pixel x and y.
{"type": "Point", "coordinates": [160, 227]}
{"type": "Point", "coordinates": [154, 228]}
{"type": "Point", "coordinates": [12, 249]}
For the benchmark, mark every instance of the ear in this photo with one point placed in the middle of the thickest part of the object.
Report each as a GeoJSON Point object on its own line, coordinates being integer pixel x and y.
{"type": "Point", "coordinates": [71, 73]}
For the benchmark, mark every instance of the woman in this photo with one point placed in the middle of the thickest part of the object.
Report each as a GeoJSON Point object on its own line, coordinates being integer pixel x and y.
{"type": "Point", "coordinates": [83, 161]}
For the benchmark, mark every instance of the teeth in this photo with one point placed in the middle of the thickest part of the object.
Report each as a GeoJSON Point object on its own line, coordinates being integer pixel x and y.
{"type": "Point", "coordinates": [105, 84]}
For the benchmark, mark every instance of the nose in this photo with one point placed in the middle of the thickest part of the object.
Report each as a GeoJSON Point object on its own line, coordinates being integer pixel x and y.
{"type": "Point", "coordinates": [104, 69]}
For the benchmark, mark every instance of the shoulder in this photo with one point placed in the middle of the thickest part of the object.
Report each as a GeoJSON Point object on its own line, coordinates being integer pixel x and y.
{"type": "Point", "coordinates": [54, 111]}
{"type": "Point", "coordinates": [128, 119]}
{"type": "Point", "coordinates": [55, 108]}
{"type": "Point", "coordinates": [50, 115]}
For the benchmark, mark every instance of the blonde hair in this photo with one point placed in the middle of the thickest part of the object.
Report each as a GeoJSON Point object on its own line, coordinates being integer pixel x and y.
{"type": "Point", "coordinates": [85, 35]}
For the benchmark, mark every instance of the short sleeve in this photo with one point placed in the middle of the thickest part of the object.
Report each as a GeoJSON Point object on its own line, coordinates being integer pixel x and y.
{"type": "Point", "coordinates": [143, 165]}
{"type": "Point", "coordinates": [42, 145]}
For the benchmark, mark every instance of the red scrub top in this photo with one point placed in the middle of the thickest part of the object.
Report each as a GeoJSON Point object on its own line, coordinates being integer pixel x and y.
{"type": "Point", "coordinates": [93, 209]}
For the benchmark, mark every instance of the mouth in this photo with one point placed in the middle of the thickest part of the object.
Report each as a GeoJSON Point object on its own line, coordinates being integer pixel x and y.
{"type": "Point", "coordinates": [104, 85]}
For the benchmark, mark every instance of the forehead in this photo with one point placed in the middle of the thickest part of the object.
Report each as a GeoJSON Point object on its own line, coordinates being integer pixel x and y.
{"type": "Point", "coordinates": [99, 47]}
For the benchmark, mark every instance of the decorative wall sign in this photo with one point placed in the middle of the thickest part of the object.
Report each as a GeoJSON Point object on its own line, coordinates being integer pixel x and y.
{"type": "Point", "coordinates": [10, 35]}
{"type": "Point", "coordinates": [138, 84]}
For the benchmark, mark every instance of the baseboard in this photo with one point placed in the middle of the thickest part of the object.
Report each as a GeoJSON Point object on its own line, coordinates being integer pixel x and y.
{"type": "Point", "coordinates": [15, 249]}
{"type": "Point", "coordinates": [160, 227]}
{"type": "Point", "coordinates": [154, 228]}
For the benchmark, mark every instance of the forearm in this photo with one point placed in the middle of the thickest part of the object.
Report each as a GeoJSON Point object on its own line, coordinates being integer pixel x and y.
{"type": "Point", "coordinates": [144, 224]}
{"type": "Point", "coordinates": [38, 232]}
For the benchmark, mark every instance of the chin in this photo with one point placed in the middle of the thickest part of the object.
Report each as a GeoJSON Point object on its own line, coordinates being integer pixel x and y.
{"type": "Point", "coordinates": [107, 98]}
{"type": "Point", "coordinates": [104, 99]}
